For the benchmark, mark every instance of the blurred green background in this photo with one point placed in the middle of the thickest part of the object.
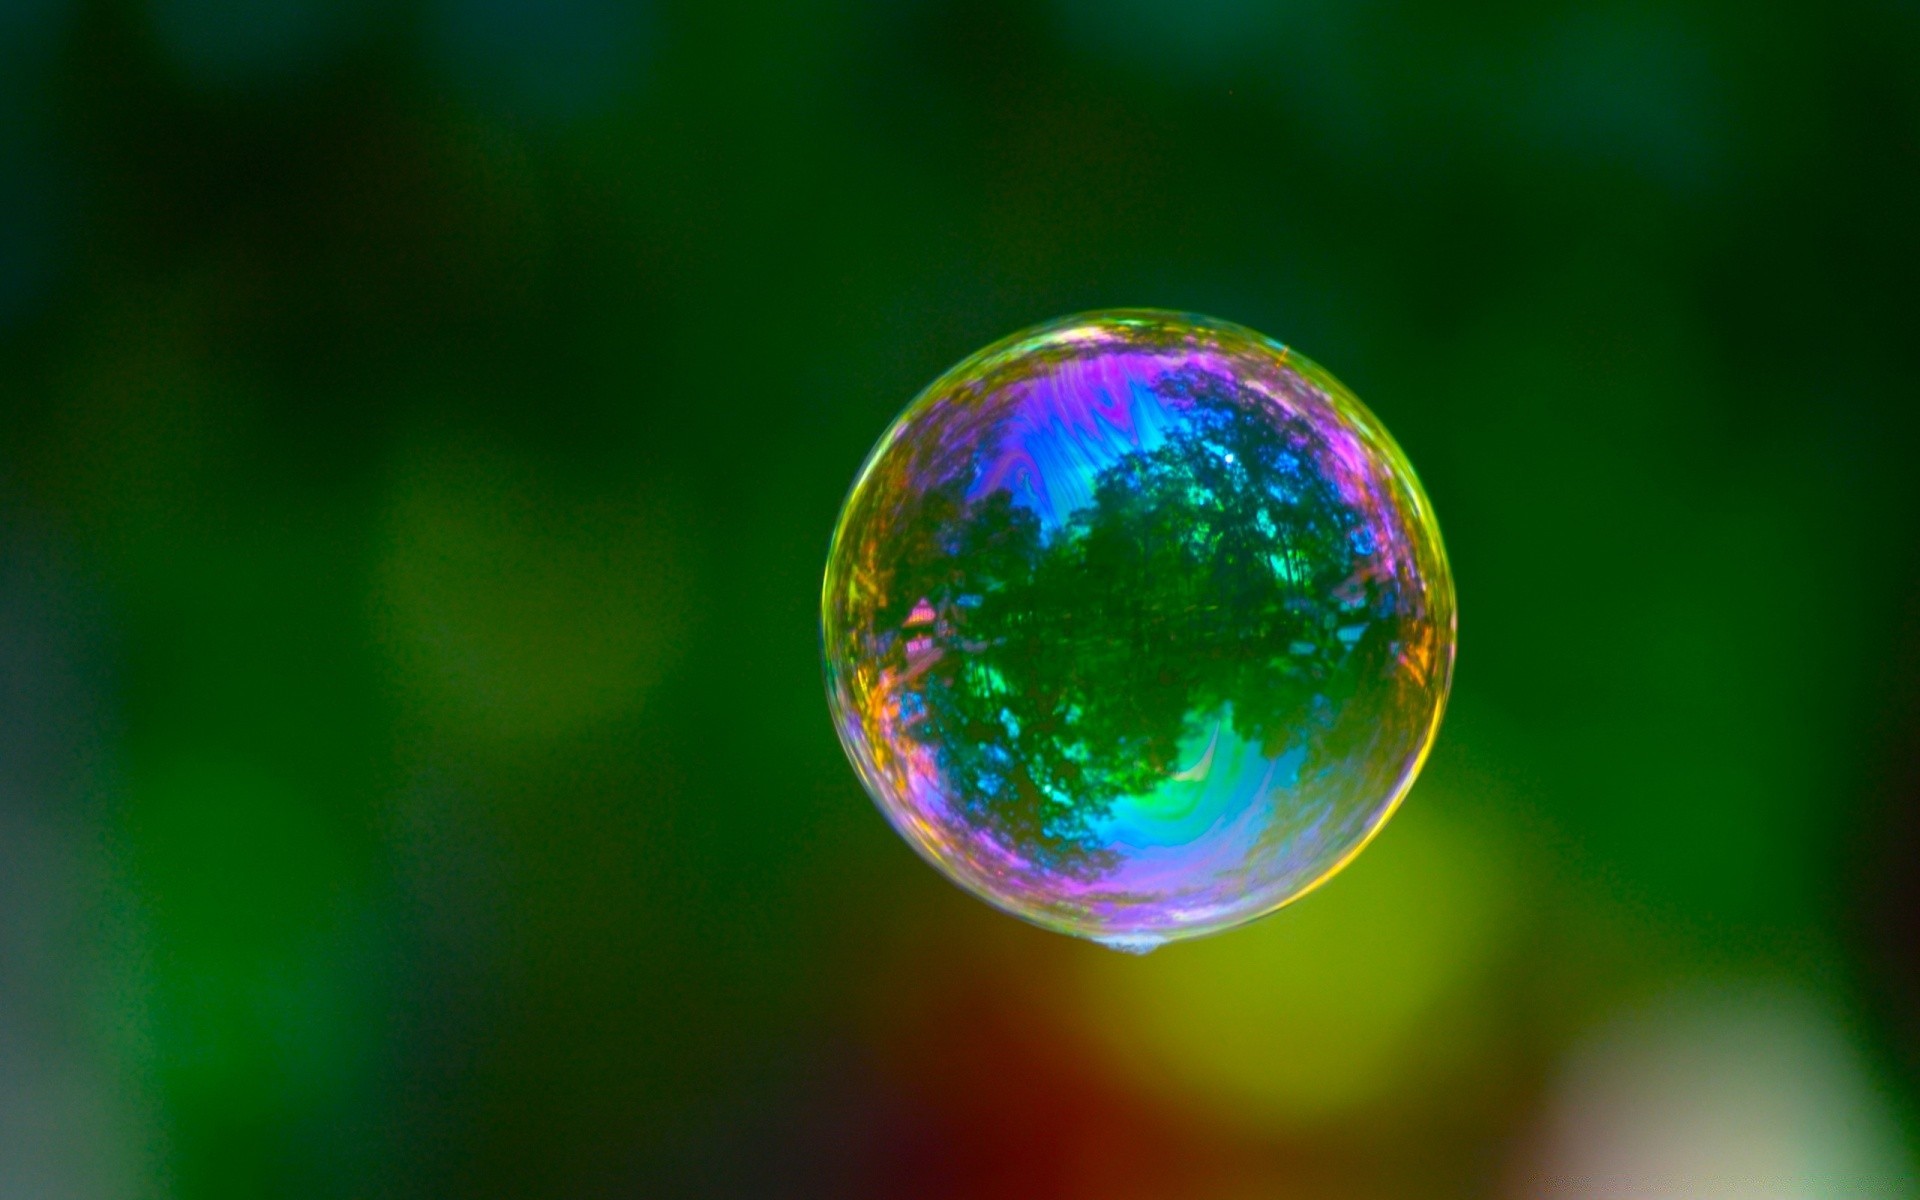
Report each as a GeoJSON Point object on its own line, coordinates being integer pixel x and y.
{"type": "Point", "coordinates": [423, 424]}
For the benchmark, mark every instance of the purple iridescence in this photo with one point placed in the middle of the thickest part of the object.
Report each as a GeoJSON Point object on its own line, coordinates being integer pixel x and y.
{"type": "Point", "coordinates": [1137, 625]}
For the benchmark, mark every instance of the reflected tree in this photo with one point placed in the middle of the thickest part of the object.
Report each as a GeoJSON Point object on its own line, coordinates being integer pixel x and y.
{"type": "Point", "coordinates": [1053, 672]}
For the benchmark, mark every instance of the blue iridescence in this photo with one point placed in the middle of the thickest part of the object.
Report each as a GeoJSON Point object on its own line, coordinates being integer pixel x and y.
{"type": "Point", "coordinates": [1137, 625]}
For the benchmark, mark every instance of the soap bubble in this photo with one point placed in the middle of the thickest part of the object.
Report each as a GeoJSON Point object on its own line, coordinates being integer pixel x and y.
{"type": "Point", "coordinates": [1137, 625]}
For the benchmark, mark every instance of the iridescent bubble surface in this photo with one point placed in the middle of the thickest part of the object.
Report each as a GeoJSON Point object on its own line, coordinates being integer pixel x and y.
{"type": "Point", "coordinates": [1137, 625]}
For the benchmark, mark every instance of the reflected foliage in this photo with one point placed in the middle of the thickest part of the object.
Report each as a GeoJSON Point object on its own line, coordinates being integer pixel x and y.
{"type": "Point", "coordinates": [1054, 672]}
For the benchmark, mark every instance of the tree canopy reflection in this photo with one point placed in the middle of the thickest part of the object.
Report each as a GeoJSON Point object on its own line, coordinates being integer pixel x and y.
{"type": "Point", "coordinates": [1052, 673]}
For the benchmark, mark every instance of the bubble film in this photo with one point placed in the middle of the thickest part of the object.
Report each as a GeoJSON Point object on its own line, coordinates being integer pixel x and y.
{"type": "Point", "coordinates": [1137, 625]}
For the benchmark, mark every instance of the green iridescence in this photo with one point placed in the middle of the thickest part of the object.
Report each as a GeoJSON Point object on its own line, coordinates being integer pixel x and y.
{"type": "Point", "coordinates": [1092, 649]}
{"type": "Point", "coordinates": [1175, 702]}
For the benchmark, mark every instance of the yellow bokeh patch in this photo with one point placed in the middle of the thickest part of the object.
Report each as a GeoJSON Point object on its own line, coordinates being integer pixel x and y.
{"type": "Point", "coordinates": [1315, 1011]}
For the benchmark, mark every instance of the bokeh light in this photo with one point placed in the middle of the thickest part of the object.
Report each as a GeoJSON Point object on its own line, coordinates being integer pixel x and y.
{"type": "Point", "coordinates": [1395, 955]}
{"type": "Point", "coordinates": [1736, 1092]}
{"type": "Point", "coordinates": [514, 609]}
{"type": "Point", "coordinates": [421, 426]}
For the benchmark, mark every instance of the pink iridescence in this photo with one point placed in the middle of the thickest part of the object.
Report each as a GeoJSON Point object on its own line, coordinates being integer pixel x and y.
{"type": "Point", "coordinates": [1137, 625]}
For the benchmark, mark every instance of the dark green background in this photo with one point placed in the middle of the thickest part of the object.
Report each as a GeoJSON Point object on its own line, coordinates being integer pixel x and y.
{"type": "Point", "coordinates": [423, 425]}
